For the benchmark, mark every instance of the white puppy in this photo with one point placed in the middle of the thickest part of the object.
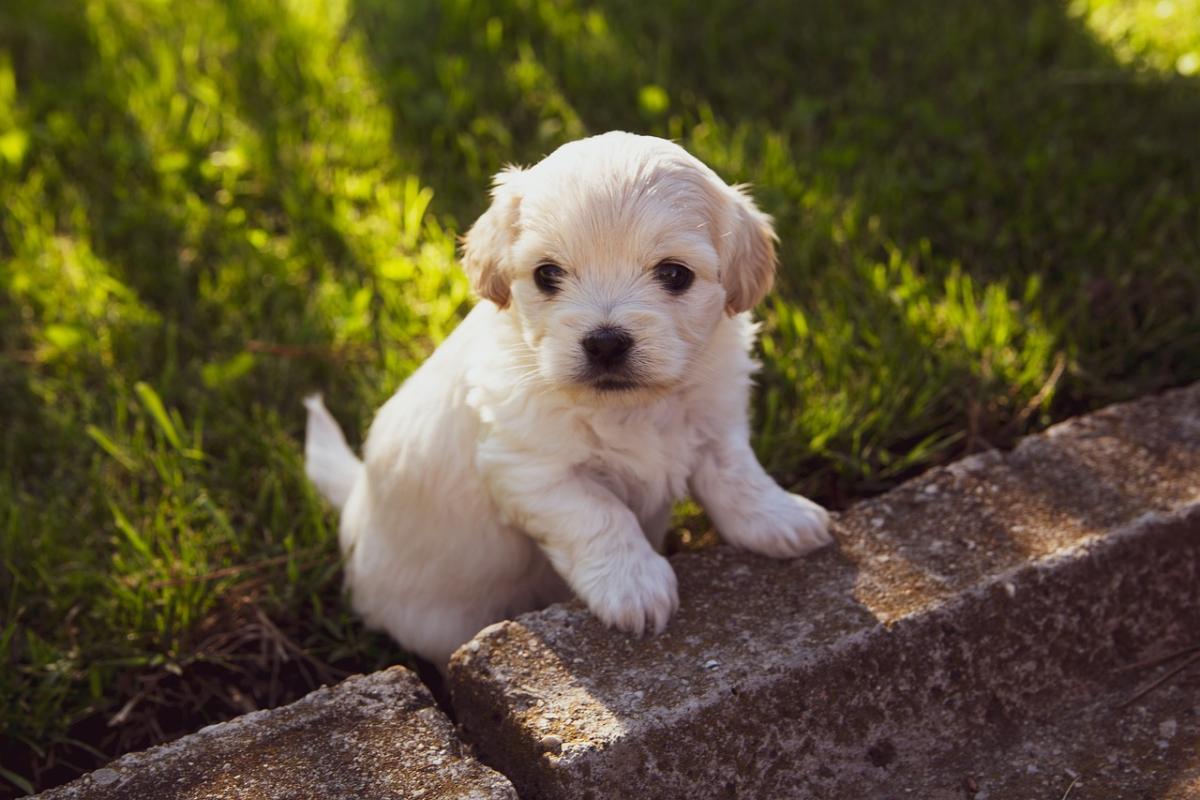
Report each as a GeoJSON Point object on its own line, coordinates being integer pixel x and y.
{"type": "Point", "coordinates": [604, 375]}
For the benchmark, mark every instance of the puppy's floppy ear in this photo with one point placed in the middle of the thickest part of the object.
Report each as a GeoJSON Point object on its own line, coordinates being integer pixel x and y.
{"type": "Point", "coordinates": [746, 243]}
{"type": "Point", "coordinates": [485, 247]}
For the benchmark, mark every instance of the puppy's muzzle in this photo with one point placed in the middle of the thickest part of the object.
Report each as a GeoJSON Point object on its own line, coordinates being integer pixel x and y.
{"type": "Point", "coordinates": [607, 349]}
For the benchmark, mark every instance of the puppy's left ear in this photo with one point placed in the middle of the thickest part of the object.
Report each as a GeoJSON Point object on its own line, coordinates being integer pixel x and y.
{"type": "Point", "coordinates": [747, 248]}
{"type": "Point", "coordinates": [485, 246]}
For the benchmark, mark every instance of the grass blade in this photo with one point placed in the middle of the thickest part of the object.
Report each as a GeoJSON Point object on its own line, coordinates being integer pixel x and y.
{"type": "Point", "coordinates": [154, 405]}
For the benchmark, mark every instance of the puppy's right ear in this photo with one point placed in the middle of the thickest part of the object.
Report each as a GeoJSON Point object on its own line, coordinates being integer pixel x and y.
{"type": "Point", "coordinates": [485, 247]}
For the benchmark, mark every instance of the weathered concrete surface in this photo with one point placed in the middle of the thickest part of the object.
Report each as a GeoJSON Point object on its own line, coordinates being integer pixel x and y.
{"type": "Point", "coordinates": [959, 616]}
{"type": "Point", "coordinates": [1100, 750]}
{"type": "Point", "coordinates": [371, 737]}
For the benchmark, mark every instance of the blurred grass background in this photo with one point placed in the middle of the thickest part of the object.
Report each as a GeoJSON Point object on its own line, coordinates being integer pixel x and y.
{"type": "Point", "coordinates": [989, 213]}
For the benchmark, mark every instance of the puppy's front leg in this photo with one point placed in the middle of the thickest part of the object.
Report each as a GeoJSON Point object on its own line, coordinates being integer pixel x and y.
{"type": "Point", "coordinates": [751, 510]}
{"type": "Point", "coordinates": [593, 541]}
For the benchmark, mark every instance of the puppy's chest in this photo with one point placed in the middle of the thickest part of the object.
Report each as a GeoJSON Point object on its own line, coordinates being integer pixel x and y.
{"type": "Point", "coordinates": [644, 458]}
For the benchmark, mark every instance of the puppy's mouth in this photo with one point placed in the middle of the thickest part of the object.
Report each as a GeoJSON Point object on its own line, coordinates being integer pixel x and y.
{"type": "Point", "coordinates": [612, 380]}
{"type": "Point", "coordinates": [607, 385]}
{"type": "Point", "coordinates": [624, 376]}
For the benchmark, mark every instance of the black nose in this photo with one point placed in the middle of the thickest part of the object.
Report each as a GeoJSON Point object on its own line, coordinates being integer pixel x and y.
{"type": "Point", "coordinates": [606, 347]}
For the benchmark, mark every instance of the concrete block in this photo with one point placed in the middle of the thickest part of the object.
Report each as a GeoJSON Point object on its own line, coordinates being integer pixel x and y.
{"type": "Point", "coordinates": [371, 737]}
{"type": "Point", "coordinates": [957, 616]}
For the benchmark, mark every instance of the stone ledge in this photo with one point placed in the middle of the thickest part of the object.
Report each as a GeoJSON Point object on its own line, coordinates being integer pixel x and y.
{"type": "Point", "coordinates": [957, 612]}
{"type": "Point", "coordinates": [371, 737]}
{"type": "Point", "coordinates": [1103, 749]}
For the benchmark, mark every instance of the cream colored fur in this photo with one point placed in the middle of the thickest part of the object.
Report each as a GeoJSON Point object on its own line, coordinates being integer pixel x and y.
{"type": "Point", "coordinates": [498, 480]}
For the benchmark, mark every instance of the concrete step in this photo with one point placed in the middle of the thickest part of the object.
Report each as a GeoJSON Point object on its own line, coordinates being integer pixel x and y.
{"type": "Point", "coordinates": [1103, 749]}
{"type": "Point", "coordinates": [371, 737]}
{"type": "Point", "coordinates": [972, 614]}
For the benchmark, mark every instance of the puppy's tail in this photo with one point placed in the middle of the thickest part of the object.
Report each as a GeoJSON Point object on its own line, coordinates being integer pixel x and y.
{"type": "Point", "coordinates": [328, 461]}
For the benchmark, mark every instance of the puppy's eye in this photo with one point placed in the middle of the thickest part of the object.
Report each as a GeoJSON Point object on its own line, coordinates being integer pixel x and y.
{"type": "Point", "coordinates": [548, 276]}
{"type": "Point", "coordinates": [674, 277]}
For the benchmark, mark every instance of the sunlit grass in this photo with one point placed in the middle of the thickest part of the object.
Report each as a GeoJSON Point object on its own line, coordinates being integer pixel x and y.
{"type": "Point", "coordinates": [1160, 34]}
{"type": "Point", "coordinates": [205, 221]}
{"type": "Point", "coordinates": [988, 220]}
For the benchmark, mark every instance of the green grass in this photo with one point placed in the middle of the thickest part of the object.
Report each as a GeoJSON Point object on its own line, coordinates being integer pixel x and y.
{"type": "Point", "coordinates": [989, 214]}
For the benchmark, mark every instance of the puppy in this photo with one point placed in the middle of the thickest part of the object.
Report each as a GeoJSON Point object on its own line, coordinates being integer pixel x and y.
{"type": "Point", "coordinates": [604, 374]}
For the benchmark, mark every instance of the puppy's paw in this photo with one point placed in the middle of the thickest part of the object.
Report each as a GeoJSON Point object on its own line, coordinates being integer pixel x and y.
{"type": "Point", "coordinates": [635, 595]}
{"type": "Point", "coordinates": [783, 526]}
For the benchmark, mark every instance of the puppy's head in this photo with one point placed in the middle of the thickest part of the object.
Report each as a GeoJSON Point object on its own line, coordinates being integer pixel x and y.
{"type": "Point", "coordinates": [618, 256]}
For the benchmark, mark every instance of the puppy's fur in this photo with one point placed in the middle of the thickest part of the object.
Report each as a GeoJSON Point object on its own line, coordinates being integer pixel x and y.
{"type": "Point", "coordinates": [512, 468]}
